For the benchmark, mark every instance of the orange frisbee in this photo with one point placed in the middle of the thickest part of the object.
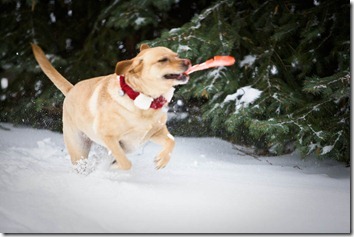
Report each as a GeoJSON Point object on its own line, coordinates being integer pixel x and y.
{"type": "Point", "coordinates": [216, 61]}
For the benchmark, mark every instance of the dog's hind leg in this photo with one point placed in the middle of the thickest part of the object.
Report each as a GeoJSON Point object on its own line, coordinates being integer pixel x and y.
{"type": "Point", "coordinates": [77, 144]}
{"type": "Point", "coordinates": [112, 143]}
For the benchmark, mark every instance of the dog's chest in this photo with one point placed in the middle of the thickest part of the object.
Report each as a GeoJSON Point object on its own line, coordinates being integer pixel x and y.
{"type": "Point", "coordinates": [139, 134]}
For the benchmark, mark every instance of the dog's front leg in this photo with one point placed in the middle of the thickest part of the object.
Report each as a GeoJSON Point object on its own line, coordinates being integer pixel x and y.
{"type": "Point", "coordinates": [113, 145]}
{"type": "Point", "coordinates": [164, 138]}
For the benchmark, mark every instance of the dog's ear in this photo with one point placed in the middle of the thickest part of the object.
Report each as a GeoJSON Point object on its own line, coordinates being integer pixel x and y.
{"type": "Point", "coordinates": [144, 46]}
{"type": "Point", "coordinates": [123, 66]}
{"type": "Point", "coordinates": [136, 67]}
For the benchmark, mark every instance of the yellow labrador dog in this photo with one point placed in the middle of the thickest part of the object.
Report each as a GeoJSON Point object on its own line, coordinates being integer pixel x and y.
{"type": "Point", "coordinates": [123, 110]}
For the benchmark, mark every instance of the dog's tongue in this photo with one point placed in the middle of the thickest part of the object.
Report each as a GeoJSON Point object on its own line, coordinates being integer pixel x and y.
{"type": "Point", "coordinates": [216, 61]}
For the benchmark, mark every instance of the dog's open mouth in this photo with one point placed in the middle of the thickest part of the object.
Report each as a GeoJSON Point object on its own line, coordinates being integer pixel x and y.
{"type": "Point", "coordinates": [179, 77]}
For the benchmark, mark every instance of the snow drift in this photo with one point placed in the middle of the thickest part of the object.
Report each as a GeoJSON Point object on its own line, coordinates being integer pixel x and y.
{"type": "Point", "coordinates": [210, 186]}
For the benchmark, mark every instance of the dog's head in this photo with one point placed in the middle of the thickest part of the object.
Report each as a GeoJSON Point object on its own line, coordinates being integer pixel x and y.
{"type": "Point", "coordinates": [154, 70]}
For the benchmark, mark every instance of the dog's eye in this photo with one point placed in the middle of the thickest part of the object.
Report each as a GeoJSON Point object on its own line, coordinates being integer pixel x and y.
{"type": "Point", "coordinates": [162, 60]}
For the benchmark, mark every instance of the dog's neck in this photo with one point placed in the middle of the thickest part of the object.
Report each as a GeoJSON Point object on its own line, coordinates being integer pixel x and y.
{"type": "Point", "coordinates": [141, 100]}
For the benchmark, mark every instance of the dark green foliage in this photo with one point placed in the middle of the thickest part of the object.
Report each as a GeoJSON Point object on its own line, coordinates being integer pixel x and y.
{"type": "Point", "coordinates": [83, 39]}
{"type": "Point", "coordinates": [299, 51]}
{"type": "Point", "coordinates": [301, 65]}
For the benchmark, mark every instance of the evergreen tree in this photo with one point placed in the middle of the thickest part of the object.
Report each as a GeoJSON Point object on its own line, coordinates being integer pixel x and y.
{"type": "Point", "coordinates": [83, 39]}
{"type": "Point", "coordinates": [296, 53]}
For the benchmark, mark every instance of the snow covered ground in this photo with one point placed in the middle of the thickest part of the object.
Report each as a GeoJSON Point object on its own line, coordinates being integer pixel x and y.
{"type": "Point", "coordinates": [208, 187]}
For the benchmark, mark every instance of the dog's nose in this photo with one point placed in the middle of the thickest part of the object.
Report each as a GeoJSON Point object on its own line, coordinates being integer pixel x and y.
{"type": "Point", "coordinates": [187, 62]}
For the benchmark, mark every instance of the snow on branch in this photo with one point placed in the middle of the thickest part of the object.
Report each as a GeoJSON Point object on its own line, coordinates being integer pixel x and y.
{"type": "Point", "coordinates": [248, 60]}
{"type": "Point", "coordinates": [206, 13]}
{"type": "Point", "coordinates": [243, 97]}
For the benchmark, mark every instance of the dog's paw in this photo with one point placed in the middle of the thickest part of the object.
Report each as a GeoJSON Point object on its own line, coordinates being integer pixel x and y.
{"type": "Point", "coordinates": [161, 160]}
{"type": "Point", "coordinates": [126, 165]}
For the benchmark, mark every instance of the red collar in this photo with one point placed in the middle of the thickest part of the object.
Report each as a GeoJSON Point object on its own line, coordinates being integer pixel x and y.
{"type": "Point", "coordinates": [157, 103]}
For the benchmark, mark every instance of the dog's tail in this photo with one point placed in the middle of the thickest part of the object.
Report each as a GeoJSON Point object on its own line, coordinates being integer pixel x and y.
{"type": "Point", "coordinates": [59, 81]}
